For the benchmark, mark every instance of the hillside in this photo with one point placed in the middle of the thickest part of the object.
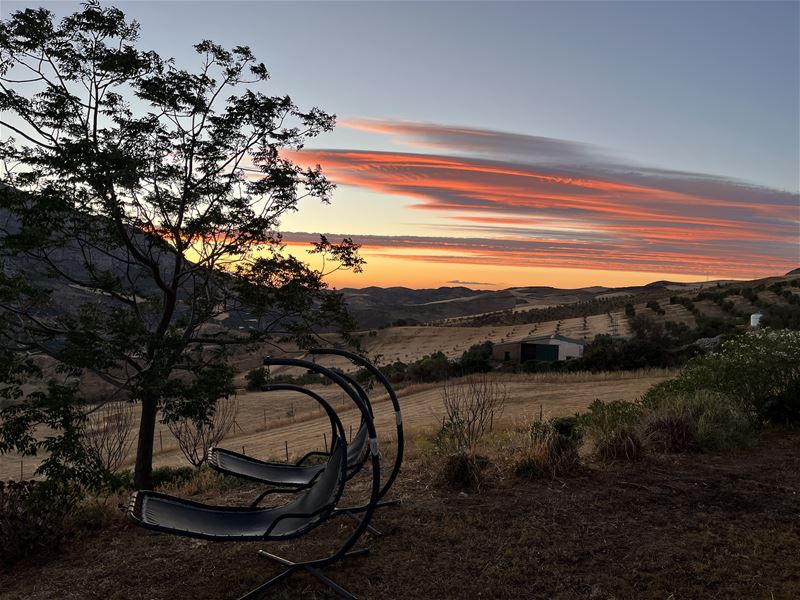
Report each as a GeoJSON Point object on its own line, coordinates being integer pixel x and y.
{"type": "Point", "coordinates": [375, 307]}
{"type": "Point", "coordinates": [703, 308]}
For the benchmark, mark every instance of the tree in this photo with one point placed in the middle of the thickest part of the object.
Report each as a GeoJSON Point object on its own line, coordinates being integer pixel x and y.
{"type": "Point", "coordinates": [477, 359]}
{"type": "Point", "coordinates": [140, 212]}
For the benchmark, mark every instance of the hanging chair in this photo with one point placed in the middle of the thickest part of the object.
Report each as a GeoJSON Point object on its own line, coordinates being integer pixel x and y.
{"type": "Point", "coordinates": [287, 477]}
{"type": "Point", "coordinates": [177, 516]}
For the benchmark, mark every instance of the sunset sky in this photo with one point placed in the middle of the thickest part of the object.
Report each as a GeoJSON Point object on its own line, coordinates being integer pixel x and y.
{"type": "Point", "coordinates": [506, 144]}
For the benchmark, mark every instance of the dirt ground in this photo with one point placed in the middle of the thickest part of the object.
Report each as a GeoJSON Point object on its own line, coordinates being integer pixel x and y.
{"type": "Point", "coordinates": [673, 527]}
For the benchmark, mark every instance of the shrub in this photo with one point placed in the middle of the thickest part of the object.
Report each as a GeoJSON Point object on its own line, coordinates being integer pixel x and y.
{"type": "Point", "coordinates": [671, 433]}
{"type": "Point", "coordinates": [256, 378]}
{"type": "Point", "coordinates": [551, 450]}
{"type": "Point", "coordinates": [108, 435]}
{"type": "Point", "coordinates": [760, 369]}
{"type": "Point", "coordinates": [477, 359]}
{"type": "Point", "coordinates": [172, 476]}
{"type": "Point", "coordinates": [567, 426]}
{"type": "Point", "coordinates": [195, 438]}
{"type": "Point", "coordinates": [32, 517]}
{"type": "Point", "coordinates": [622, 444]}
{"type": "Point", "coordinates": [605, 418]}
{"type": "Point", "coordinates": [470, 408]}
{"type": "Point", "coordinates": [120, 481]}
{"type": "Point", "coordinates": [703, 421]}
{"type": "Point", "coordinates": [445, 439]}
{"type": "Point", "coordinates": [612, 427]}
{"type": "Point", "coordinates": [463, 471]}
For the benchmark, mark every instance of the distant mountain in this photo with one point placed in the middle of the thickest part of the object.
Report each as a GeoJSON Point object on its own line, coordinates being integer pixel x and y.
{"type": "Point", "coordinates": [794, 272]}
{"type": "Point", "coordinates": [375, 307]}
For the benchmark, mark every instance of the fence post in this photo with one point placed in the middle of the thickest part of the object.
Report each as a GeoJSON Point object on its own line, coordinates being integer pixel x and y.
{"type": "Point", "coordinates": [243, 452]}
{"type": "Point", "coordinates": [325, 441]}
{"type": "Point", "coordinates": [286, 442]}
{"type": "Point", "coordinates": [491, 421]}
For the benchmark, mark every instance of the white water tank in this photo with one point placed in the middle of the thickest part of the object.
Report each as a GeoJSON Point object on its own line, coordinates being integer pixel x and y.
{"type": "Point", "coordinates": [755, 320]}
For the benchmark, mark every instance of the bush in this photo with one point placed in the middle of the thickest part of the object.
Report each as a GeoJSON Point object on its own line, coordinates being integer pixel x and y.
{"type": "Point", "coordinates": [703, 421]}
{"type": "Point", "coordinates": [120, 481]}
{"type": "Point", "coordinates": [463, 471]}
{"type": "Point", "coordinates": [612, 427]}
{"type": "Point", "coordinates": [446, 438]}
{"type": "Point", "coordinates": [170, 476]}
{"type": "Point", "coordinates": [671, 433]}
{"type": "Point", "coordinates": [622, 444]}
{"type": "Point", "coordinates": [760, 369]}
{"type": "Point", "coordinates": [32, 517]}
{"type": "Point", "coordinates": [256, 378]}
{"type": "Point", "coordinates": [551, 450]}
{"type": "Point", "coordinates": [605, 418]}
{"type": "Point", "coordinates": [470, 409]}
{"type": "Point", "coordinates": [477, 359]}
{"type": "Point", "coordinates": [567, 426]}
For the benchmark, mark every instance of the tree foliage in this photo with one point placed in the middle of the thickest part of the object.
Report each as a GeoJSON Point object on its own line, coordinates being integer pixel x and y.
{"type": "Point", "coordinates": [140, 211]}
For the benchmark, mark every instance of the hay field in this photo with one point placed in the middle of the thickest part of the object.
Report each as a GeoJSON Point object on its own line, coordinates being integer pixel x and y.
{"type": "Point", "coordinates": [265, 423]}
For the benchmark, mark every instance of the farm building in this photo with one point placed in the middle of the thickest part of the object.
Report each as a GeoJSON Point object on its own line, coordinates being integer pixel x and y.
{"type": "Point", "coordinates": [548, 348]}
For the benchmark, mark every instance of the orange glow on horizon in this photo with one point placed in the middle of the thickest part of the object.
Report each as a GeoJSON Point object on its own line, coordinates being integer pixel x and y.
{"type": "Point", "coordinates": [386, 269]}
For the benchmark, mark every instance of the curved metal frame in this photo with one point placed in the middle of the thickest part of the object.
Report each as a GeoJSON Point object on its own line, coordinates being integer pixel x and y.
{"type": "Point", "coordinates": [326, 510]}
{"type": "Point", "coordinates": [363, 362]}
{"type": "Point", "coordinates": [313, 566]}
{"type": "Point", "coordinates": [279, 488]}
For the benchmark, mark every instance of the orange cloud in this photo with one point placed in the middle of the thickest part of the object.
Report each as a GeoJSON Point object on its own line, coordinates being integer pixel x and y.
{"type": "Point", "coordinates": [552, 202]}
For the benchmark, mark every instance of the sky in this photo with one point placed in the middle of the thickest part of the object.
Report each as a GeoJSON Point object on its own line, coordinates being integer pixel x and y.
{"type": "Point", "coordinates": [532, 143]}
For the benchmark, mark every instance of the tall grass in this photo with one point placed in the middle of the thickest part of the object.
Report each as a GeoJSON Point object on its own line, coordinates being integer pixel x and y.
{"type": "Point", "coordinates": [548, 450]}
{"type": "Point", "coordinates": [614, 429]}
{"type": "Point", "coordinates": [585, 376]}
{"type": "Point", "coordinates": [702, 421]}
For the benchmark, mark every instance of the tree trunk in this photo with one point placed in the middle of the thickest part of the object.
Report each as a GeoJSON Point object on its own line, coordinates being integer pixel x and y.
{"type": "Point", "coordinates": [143, 474]}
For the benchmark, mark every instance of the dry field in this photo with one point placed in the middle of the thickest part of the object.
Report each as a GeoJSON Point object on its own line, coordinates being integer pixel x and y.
{"type": "Point", "coordinates": [410, 343]}
{"type": "Point", "coordinates": [265, 425]}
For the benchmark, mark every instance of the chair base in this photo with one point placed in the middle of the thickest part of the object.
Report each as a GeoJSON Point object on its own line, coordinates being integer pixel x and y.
{"type": "Point", "coordinates": [292, 567]}
{"type": "Point", "coordinates": [352, 510]}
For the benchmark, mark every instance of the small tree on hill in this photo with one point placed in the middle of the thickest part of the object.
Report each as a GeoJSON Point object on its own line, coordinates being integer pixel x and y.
{"type": "Point", "coordinates": [139, 210]}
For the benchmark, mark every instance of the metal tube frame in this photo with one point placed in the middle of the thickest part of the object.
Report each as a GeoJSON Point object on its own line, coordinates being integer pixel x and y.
{"type": "Point", "coordinates": [398, 461]}
{"type": "Point", "coordinates": [313, 566]}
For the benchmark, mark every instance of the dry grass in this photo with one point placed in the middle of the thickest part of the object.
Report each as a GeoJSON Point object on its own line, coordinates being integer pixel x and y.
{"type": "Point", "coordinates": [623, 444]}
{"type": "Point", "coordinates": [263, 429]}
{"type": "Point", "coordinates": [545, 452]}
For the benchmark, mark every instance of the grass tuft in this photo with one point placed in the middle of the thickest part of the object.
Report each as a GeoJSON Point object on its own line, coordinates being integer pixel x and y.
{"type": "Point", "coordinates": [551, 450]}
